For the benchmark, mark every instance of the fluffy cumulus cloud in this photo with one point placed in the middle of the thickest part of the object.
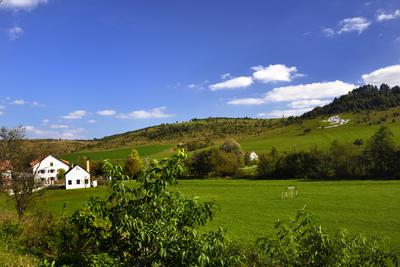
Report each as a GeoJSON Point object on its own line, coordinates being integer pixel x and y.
{"type": "Point", "coordinates": [15, 32]}
{"type": "Point", "coordinates": [283, 113]}
{"type": "Point", "coordinates": [106, 112]}
{"type": "Point", "coordinates": [19, 102]}
{"type": "Point", "coordinates": [226, 76]}
{"type": "Point", "coordinates": [328, 32]}
{"type": "Point", "coordinates": [238, 82]}
{"type": "Point", "coordinates": [59, 126]}
{"type": "Point", "coordinates": [308, 103]}
{"type": "Point", "coordinates": [155, 113]}
{"type": "Point", "coordinates": [274, 73]}
{"type": "Point", "coordinates": [311, 92]}
{"type": "Point", "coordinates": [382, 16]}
{"type": "Point", "coordinates": [247, 101]}
{"type": "Point", "coordinates": [61, 133]}
{"type": "Point", "coordinates": [77, 114]}
{"type": "Point", "coordinates": [356, 24]}
{"type": "Point", "coordinates": [21, 4]}
{"type": "Point", "coordinates": [321, 90]}
{"type": "Point", "coordinates": [389, 75]}
{"type": "Point", "coordinates": [298, 98]}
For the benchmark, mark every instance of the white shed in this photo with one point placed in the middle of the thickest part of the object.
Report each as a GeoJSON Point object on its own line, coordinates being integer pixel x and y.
{"type": "Point", "coordinates": [76, 178]}
{"type": "Point", "coordinates": [253, 156]}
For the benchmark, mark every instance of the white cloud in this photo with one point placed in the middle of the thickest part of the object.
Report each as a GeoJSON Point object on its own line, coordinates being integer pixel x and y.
{"type": "Point", "coordinates": [15, 32]}
{"type": "Point", "coordinates": [2, 107]}
{"type": "Point", "coordinates": [35, 132]}
{"type": "Point", "coordinates": [238, 82]}
{"type": "Point", "coordinates": [155, 113]}
{"type": "Point", "coordinates": [72, 134]}
{"type": "Point", "coordinates": [358, 24]}
{"type": "Point", "coordinates": [308, 103]}
{"type": "Point", "coordinates": [106, 112]}
{"type": "Point", "coordinates": [389, 75]}
{"type": "Point", "coordinates": [22, 102]}
{"type": "Point", "coordinates": [247, 101]}
{"type": "Point", "coordinates": [91, 121]}
{"type": "Point", "coordinates": [321, 90]}
{"type": "Point", "coordinates": [226, 76]}
{"type": "Point", "coordinates": [274, 73]}
{"type": "Point", "coordinates": [388, 16]}
{"type": "Point", "coordinates": [283, 113]}
{"type": "Point", "coordinates": [19, 102]}
{"type": "Point", "coordinates": [21, 4]}
{"type": "Point", "coordinates": [59, 126]}
{"type": "Point", "coordinates": [78, 114]}
{"type": "Point", "coordinates": [199, 86]}
{"type": "Point", "coordinates": [45, 121]}
{"type": "Point", "coordinates": [328, 32]}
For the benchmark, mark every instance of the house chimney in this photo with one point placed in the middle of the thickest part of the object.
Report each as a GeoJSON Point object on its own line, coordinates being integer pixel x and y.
{"type": "Point", "coordinates": [88, 166]}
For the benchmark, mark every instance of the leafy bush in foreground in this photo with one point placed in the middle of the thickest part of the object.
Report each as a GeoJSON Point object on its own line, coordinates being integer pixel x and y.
{"type": "Point", "coordinates": [302, 241]}
{"type": "Point", "coordinates": [146, 225]}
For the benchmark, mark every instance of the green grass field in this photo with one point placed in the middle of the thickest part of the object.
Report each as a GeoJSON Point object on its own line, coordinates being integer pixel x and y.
{"type": "Point", "coordinates": [151, 151]}
{"type": "Point", "coordinates": [249, 208]}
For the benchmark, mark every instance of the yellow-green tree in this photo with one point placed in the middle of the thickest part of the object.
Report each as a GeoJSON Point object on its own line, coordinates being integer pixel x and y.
{"type": "Point", "coordinates": [134, 164]}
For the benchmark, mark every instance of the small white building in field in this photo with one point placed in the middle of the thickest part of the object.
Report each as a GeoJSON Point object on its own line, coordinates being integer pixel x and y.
{"type": "Point", "coordinates": [46, 170]}
{"type": "Point", "coordinates": [253, 156]}
{"type": "Point", "coordinates": [76, 178]}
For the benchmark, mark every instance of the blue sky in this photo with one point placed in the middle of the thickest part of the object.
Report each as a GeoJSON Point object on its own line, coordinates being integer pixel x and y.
{"type": "Point", "coordinates": [90, 68]}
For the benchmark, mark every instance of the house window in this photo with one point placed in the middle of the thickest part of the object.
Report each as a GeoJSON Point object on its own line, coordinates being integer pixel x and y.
{"type": "Point", "coordinates": [69, 182]}
{"type": "Point", "coordinates": [51, 171]}
{"type": "Point", "coordinates": [42, 171]}
{"type": "Point", "coordinates": [86, 181]}
{"type": "Point", "coordinates": [78, 181]}
{"type": "Point", "coordinates": [51, 164]}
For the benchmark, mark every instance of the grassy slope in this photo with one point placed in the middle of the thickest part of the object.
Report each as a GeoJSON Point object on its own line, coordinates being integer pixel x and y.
{"type": "Point", "coordinates": [250, 208]}
{"type": "Point", "coordinates": [253, 135]}
{"type": "Point", "coordinates": [156, 150]}
{"type": "Point", "coordinates": [291, 137]}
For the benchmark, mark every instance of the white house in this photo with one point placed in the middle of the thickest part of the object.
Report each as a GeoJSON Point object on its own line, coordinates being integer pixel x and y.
{"type": "Point", "coordinates": [77, 177]}
{"type": "Point", "coordinates": [253, 156]}
{"type": "Point", "coordinates": [47, 169]}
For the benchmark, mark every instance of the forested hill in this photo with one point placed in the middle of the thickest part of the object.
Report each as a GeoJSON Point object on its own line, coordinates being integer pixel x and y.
{"type": "Point", "coordinates": [367, 97]}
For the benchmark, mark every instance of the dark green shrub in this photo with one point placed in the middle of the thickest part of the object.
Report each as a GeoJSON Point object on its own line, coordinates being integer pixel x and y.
{"type": "Point", "coordinates": [224, 163]}
{"type": "Point", "coordinates": [302, 241]}
{"type": "Point", "coordinates": [200, 164]}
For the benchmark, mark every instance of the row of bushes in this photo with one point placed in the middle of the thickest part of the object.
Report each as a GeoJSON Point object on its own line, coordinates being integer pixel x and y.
{"type": "Point", "coordinates": [378, 159]}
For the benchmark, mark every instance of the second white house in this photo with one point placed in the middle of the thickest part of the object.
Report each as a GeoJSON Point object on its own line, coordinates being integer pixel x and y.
{"type": "Point", "coordinates": [76, 178]}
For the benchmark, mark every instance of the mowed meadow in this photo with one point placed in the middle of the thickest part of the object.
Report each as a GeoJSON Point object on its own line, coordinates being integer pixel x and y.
{"type": "Point", "coordinates": [249, 208]}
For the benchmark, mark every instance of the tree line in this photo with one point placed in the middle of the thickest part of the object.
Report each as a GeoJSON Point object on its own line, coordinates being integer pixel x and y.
{"type": "Point", "coordinates": [379, 158]}
{"type": "Point", "coordinates": [366, 97]}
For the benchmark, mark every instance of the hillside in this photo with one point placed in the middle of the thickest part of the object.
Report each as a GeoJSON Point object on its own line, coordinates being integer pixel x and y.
{"type": "Point", "coordinates": [364, 110]}
{"type": "Point", "coordinates": [367, 97]}
{"type": "Point", "coordinates": [283, 134]}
